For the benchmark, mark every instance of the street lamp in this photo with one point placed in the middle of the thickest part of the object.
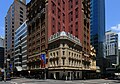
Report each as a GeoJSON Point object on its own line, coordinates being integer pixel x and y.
{"type": "Point", "coordinates": [29, 73]}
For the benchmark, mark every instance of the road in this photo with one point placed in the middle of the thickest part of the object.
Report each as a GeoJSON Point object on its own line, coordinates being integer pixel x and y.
{"type": "Point", "coordinates": [34, 81]}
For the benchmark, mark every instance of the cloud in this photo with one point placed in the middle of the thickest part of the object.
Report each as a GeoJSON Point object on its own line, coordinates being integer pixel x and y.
{"type": "Point", "coordinates": [116, 28]}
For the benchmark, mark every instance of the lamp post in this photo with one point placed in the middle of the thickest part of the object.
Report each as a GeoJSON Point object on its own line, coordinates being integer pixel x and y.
{"type": "Point", "coordinates": [4, 74]}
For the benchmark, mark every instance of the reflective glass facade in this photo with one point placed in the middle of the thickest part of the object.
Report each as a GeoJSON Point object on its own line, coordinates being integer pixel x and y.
{"type": "Point", "coordinates": [98, 28]}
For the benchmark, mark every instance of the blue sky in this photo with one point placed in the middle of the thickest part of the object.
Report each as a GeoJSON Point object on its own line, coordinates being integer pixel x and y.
{"type": "Point", "coordinates": [112, 14]}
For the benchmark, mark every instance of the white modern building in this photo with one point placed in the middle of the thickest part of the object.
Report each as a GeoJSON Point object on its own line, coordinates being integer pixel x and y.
{"type": "Point", "coordinates": [112, 47]}
{"type": "Point", "coordinates": [20, 57]}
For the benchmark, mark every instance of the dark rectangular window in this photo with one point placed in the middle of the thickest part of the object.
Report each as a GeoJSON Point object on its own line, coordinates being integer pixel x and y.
{"type": "Point", "coordinates": [63, 52]}
{"type": "Point", "coordinates": [88, 25]}
{"type": "Point", "coordinates": [13, 34]}
{"type": "Point", "coordinates": [21, 20]}
{"type": "Point", "coordinates": [63, 18]}
{"type": "Point", "coordinates": [85, 22]}
{"type": "Point", "coordinates": [21, 12]}
{"type": "Point", "coordinates": [21, 8]}
{"type": "Point", "coordinates": [12, 30]}
{"type": "Point", "coordinates": [21, 16]}
{"type": "Point", "coordinates": [59, 1]}
{"type": "Point", "coordinates": [20, 23]}
{"type": "Point", "coordinates": [63, 61]}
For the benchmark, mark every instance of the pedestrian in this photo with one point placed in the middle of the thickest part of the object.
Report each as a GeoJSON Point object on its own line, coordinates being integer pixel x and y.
{"type": "Point", "coordinates": [84, 78]}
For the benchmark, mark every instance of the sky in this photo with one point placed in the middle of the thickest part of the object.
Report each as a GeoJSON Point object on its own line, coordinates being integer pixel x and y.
{"type": "Point", "coordinates": [112, 8]}
{"type": "Point", "coordinates": [112, 13]}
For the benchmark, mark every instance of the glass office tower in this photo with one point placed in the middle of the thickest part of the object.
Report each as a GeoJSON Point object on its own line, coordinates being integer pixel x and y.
{"type": "Point", "coordinates": [97, 21]}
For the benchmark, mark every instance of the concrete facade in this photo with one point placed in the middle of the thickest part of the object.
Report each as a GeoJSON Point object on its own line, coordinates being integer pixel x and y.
{"type": "Point", "coordinates": [15, 16]}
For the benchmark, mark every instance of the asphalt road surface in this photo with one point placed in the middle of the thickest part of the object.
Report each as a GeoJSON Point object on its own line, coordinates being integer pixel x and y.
{"type": "Point", "coordinates": [48, 81]}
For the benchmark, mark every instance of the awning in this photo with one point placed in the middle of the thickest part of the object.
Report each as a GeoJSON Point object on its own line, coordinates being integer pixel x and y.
{"type": "Point", "coordinates": [19, 68]}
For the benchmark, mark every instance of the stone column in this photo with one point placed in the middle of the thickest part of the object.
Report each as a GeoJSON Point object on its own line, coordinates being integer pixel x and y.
{"type": "Point", "coordinates": [54, 75]}
{"type": "Point", "coordinates": [70, 75]}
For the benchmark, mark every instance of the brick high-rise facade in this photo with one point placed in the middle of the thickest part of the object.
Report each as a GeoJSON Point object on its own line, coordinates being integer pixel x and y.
{"type": "Point", "coordinates": [47, 17]}
{"type": "Point", "coordinates": [16, 15]}
{"type": "Point", "coordinates": [37, 32]}
{"type": "Point", "coordinates": [71, 16]}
